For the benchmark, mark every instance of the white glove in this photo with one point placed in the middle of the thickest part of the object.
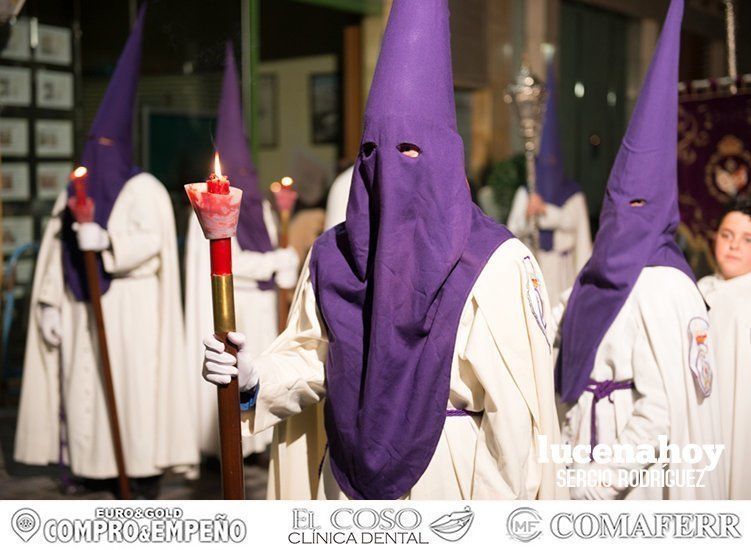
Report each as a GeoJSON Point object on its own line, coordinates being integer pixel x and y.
{"type": "Point", "coordinates": [286, 278]}
{"type": "Point", "coordinates": [50, 324]}
{"type": "Point", "coordinates": [286, 259]}
{"type": "Point", "coordinates": [219, 366]}
{"type": "Point", "coordinates": [287, 263]}
{"type": "Point", "coordinates": [91, 237]}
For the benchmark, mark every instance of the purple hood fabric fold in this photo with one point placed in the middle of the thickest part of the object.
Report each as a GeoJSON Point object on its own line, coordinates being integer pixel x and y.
{"type": "Point", "coordinates": [392, 280]}
{"type": "Point", "coordinates": [234, 153]}
{"type": "Point", "coordinates": [631, 237]}
{"type": "Point", "coordinates": [108, 157]}
{"type": "Point", "coordinates": [552, 184]}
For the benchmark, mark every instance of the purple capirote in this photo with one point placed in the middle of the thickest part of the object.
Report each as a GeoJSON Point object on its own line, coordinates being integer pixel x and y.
{"type": "Point", "coordinates": [234, 153]}
{"type": "Point", "coordinates": [108, 158]}
{"type": "Point", "coordinates": [552, 184]}
{"type": "Point", "coordinates": [639, 216]}
{"type": "Point", "coordinates": [392, 280]}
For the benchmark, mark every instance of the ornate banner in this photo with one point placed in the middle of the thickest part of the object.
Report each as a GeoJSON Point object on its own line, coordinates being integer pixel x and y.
{"type": "Point", "coordinates": [714, 160]}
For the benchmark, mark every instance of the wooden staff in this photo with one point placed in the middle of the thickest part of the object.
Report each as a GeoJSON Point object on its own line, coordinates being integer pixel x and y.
{"type": "Point", "coordinates": [284, 297]}
{"type": "Point", "coordinates": [286, 197]}
{"type": "Point", "coordinates": [83, 210]}
{"type": "Point", "coordinates": [218, 210]}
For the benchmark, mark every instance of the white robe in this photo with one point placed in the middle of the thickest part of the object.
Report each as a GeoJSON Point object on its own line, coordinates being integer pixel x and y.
{"type": "Point", "coordinates": [501, 366]}
{"type": "Point", "coordinates": [255, 316]}
{"type": "Point", "coordinates": [572, 242]}
{"type": "Point", "coordinates": [336, 205]}
{"type": "Point", "coordinates": [730, 321]}
{"type": "Point", "coordinates": [143, 320]}
{"type": "Point", "coordinates": [649, 342]}
{"type": "Point", "coordinates": [300, 441]}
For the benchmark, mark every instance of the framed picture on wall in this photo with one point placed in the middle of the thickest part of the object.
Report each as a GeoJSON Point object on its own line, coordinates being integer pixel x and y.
{"type": "Point", "coordinates": [267, 111]}
{"type": "Point", "coordinates": [54, 138]}
{"type": "Point", "coordinates": [17, 230]}
{"type": "Point", "coordinates": [14, 137]}
{"type": "Point", "coordinates": [18, 41]}
{"type": "Point", "coordinates": [324, 108]}
{"type": "Point", "coordinates": [15, 181]}
{"type": "Point", "coordinates": [55, 45]}
{"type": "Point", "coordinates": [15, 87]}
{"type": "Point", "coordinates": [52, 177]}
{"type": "Point", "coordinates": [54, 90]}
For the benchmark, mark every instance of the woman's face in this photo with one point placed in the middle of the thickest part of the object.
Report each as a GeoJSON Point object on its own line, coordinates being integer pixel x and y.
{"type": "Point", "coordinates": [733, 245]}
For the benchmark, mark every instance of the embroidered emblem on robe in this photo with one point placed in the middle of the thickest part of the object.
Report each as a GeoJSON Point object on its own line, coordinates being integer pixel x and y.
{"type": "Point", "coordinates": [534, 296]}
{"type": "Point", "coordinates": [698, 355]}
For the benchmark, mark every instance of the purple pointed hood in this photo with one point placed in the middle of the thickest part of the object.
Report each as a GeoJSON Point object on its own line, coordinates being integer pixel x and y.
{"type": "Point", "coordinates": [234, 153]}
{"type": "Point", "coordinates": [392, 280]}
{"type": "Point", "coordinates": [552, 184]}
{"type": "Point", "coordinates": [108, 157]}
{"type": "Point", "coordinates": [631, 237]}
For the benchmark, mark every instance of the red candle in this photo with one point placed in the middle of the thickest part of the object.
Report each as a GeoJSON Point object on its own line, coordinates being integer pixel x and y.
{"type": "Point", "coordinates": [285, 197]}
{"type": "Point", "coordinates": [80, 204]}
{"type": "Point", "coordinates": [217, 183]}
{"type": "Point", "coordinates": [221, 249]}
{"type": "Point", "coordinates": [80, 179]}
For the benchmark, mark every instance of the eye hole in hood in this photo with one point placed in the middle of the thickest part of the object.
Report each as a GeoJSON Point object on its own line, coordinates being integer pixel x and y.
{"type": "Point", "coordinates": [637, 203]}
{"type": "Point", "coordinates": [368, 148]}
{"type": "Point", "coordinates": [409, 150]}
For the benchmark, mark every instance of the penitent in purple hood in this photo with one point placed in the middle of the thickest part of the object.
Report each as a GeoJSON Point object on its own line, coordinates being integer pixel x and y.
{"type": "Point", "coordinates": [639, 216]}
{"type": "Point", "coordinates": [392, 280]}
{"type": "Point", "coordinates": [108, 157]}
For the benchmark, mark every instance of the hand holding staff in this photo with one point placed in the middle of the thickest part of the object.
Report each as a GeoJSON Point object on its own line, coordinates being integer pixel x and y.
{"type": "Point", "coordinates": [217, 206]}
{"type": "Point", "coordinates": [82, 208]}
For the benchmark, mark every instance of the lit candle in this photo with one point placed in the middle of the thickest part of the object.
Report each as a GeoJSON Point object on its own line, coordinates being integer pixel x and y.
{"type": "Point", "coordinates": [80, 177]}
{"type": "Point", "coordinates": [217, 182]}
{"type": "Point", "coordinates": [221, 249]}
{"type": "Point", "coordinates": [81, 205]}
{"type": "Point", "coordinates": [285, 196]}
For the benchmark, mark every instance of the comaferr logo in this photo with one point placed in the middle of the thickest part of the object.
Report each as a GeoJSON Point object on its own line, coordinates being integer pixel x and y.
{"type": "Point", "coordinates": [699, 525]}
{"type": "Point", "coordinates": [524, 524]}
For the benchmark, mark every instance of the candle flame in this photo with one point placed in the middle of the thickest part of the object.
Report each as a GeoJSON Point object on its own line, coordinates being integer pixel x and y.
{"type": "Point", "coordinates": [276, 187]}
{"type": "Point", "coordinates": [80, 172]}
{"type": "Point", "coordinates": [217, 166]}
{"type": "Point", "coordinates": [287, 181]}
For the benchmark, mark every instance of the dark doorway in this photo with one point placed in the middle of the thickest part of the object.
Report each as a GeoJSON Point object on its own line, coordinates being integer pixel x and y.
{"type": "Point", "coordinates": [593, 67]}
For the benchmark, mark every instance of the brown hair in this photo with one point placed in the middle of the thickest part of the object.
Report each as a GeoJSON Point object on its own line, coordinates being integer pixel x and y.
{"type": "Point", "coordinates": [742, 205]}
